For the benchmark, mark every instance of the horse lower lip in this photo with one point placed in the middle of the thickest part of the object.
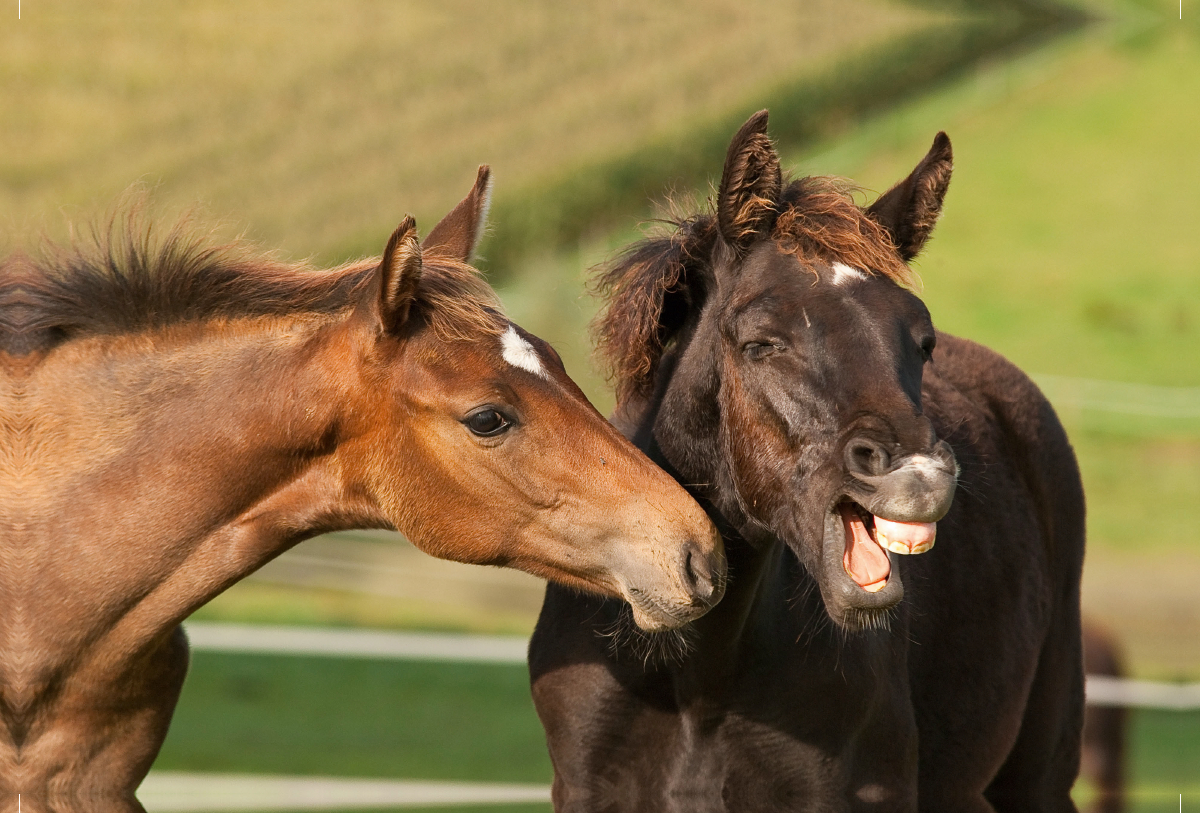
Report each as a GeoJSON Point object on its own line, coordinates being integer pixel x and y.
{"type": "Point", "coordinates": [652, 615]}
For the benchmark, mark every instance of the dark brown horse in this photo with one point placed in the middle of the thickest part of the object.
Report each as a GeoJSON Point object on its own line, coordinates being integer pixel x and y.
{"type": "Point", "coordinates": [174, 417]}
{"type": "Point", "coordinates": [771, 356]}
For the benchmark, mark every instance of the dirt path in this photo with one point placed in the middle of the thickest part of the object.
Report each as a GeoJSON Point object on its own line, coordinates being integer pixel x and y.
{"type": "Point", "coordinates": [1152, 603]}
{"type": "Point", "coordinates": [170, 792]}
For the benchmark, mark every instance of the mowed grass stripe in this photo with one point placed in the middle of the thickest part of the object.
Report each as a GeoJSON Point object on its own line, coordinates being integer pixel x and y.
{"type": "Point", "coordinates": [319, 126]}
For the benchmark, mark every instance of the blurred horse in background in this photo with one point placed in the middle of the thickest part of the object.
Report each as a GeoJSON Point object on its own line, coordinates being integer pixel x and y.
{"type": "Point", "coordinates": [176, 415]}
{"type": "Point", "coordinates": [1104, 727]}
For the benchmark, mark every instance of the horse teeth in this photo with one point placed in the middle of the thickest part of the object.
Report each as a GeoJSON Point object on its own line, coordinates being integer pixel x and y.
{"type": "Point", "coordinates": [896, 546]}
{"type": "Point", "coordinates": [900, 547]}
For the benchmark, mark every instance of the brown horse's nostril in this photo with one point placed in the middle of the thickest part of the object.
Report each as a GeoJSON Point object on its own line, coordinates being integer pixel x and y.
{"type": "Point", "coordinates": [697, 574]}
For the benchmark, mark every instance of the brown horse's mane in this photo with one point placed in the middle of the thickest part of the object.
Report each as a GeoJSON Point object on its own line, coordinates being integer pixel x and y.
{"type": "Point", "coordinates": [128, 280]}
{"type": "Point", "coordinates": [650, 286]}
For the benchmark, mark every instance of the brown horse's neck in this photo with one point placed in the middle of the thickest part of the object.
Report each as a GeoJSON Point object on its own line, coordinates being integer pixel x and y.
{"type": "Point", "coordinates": [186, 463]}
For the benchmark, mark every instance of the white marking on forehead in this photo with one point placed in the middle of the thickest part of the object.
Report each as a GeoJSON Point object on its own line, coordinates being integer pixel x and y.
{"type": "Point", "coordinates": [843, 274]}
{"type": "Point", "coordinates": [520, 353]}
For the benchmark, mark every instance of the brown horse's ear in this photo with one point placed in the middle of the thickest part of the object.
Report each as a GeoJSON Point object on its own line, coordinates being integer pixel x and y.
{"type": "Point", "coordinates": [911, 208]}
{"type": "Point", "coordinates": [458, 234]}
{"type": "Point", "coordinates": [399, 274]}
{"type": "Point", "coordinates": [750, 184]}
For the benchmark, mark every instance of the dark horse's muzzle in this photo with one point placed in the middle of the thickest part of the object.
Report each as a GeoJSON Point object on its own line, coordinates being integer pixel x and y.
{"type": "Point", "coordinates": [913, 488]}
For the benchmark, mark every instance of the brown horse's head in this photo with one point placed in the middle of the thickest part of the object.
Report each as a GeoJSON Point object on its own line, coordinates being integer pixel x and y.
{"type": "Point", "coordinates": [474, 442]}
{"type": "Point", "coordinates": [791, 380]}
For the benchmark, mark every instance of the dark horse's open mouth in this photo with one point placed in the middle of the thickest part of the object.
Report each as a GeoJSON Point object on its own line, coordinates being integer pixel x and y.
{"type": "Point", "coordinates": [868, 538]}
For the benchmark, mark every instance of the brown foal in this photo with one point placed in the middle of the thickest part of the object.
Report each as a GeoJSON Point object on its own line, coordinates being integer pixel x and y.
{"type": "Point", "coordinates": [172, 418]}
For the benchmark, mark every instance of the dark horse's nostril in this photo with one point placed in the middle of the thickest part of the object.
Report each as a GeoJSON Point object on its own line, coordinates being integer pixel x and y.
{"type": "Point", "coordinates": [697, 574]}
{"type": "Point", "coordinates": [866, 458]}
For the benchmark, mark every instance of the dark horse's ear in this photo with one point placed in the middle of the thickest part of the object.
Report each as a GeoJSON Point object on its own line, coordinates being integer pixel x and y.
{"type": "Point", "coordinates": [911, 208]}
{"type": "Point", "coordinates": [458, 234]}
{"type": "Point", "coordinates": [750, 184]}
{"type": "Point", "coordinates": [399, 274]}
{"type": "Point", "coordinates": [652, 288]}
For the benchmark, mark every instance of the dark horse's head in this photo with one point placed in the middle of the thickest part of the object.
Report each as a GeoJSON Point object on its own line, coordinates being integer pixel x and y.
{"type": "Point", "coordinates": [785, 352]}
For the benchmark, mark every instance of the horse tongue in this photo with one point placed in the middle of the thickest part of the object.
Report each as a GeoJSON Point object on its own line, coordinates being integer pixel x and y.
{"type": "Point", "coordinates": [905, 537]}
{"type": "Point", "coordinates": [863, 560]}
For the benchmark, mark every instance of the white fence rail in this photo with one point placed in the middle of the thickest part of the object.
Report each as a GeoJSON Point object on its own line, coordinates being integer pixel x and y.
{"type": "Point", "coordinates": [358, 643]}
{"type": "Point", "coordinates": [265, 639]}
{"type": "Point", "coordinates": [1121, 397]}
{"type": "Point", "coordinates": [1143, 694]}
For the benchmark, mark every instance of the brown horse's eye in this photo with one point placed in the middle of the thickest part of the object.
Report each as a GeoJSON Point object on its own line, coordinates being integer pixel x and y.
{"type": "Point", "coordinates": [487, 423]}
{"type": "Point", "coordinates": [927, 345]}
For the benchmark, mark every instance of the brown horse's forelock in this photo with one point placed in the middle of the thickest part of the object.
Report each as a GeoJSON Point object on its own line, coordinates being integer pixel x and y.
{"type": "Point", "coordinates": [458, 303]}
{"type": "Point", "coordinates": [818, 221]}
{"type": "Point", "coordinates": [128, 281]}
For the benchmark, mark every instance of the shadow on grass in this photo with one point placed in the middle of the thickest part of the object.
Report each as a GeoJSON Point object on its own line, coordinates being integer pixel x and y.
{"type": "Point", "coordinates": [584, 200]}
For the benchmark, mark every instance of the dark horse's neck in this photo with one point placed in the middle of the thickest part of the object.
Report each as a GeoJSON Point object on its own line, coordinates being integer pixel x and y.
{"type": "Point", "coordinates": [768, 590]}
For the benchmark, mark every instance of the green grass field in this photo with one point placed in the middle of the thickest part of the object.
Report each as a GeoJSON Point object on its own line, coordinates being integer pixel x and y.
{"type": "Point", "coordinates": [366, 718]}
{"type": "Point", "coordinates": [401, 719]}
{"type": "Point", "coordinates": [272, 714]}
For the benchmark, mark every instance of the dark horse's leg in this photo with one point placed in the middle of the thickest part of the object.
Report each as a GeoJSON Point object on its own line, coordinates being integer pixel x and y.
{"type": "Point", "coordinates": [1040, 770]}
{"type": "Point", "coordinates": [107, 734]}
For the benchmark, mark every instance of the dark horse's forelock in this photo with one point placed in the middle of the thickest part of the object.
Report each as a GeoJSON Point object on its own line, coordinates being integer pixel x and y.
{"type": "Point", "coordinates": [652, 286]}
{"type": "Point", "coordinates": [819, 220]}
{"type": "Point", "coordinates": [127, 279]}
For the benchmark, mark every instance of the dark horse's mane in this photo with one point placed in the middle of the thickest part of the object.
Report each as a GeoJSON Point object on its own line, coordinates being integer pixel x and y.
{"type": "Point", "coordinates": [648, 288]}
{"type": "Point", "coordinates": [126, 279]}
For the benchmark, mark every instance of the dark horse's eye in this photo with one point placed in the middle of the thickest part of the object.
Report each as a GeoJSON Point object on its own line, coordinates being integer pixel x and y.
{"type": "Point", "coordinates": [927, 345]}
{"type": "Point", "coordinates": [759, 350]}
{"type": "Point", "coordinates": [487, 423]}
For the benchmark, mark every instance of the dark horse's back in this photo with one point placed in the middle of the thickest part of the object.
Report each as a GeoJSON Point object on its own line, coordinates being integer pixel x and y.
{"type": "Point", "coordinates": [1011, 555]}
{"type": "Point", "coordinates": [989, 629]}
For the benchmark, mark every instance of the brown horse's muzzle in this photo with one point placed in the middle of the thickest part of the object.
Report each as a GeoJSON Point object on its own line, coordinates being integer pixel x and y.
{"type": "Point", "coordinates": [668, 597]}
{"type": "Point", "coordinates": [662, 556]}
